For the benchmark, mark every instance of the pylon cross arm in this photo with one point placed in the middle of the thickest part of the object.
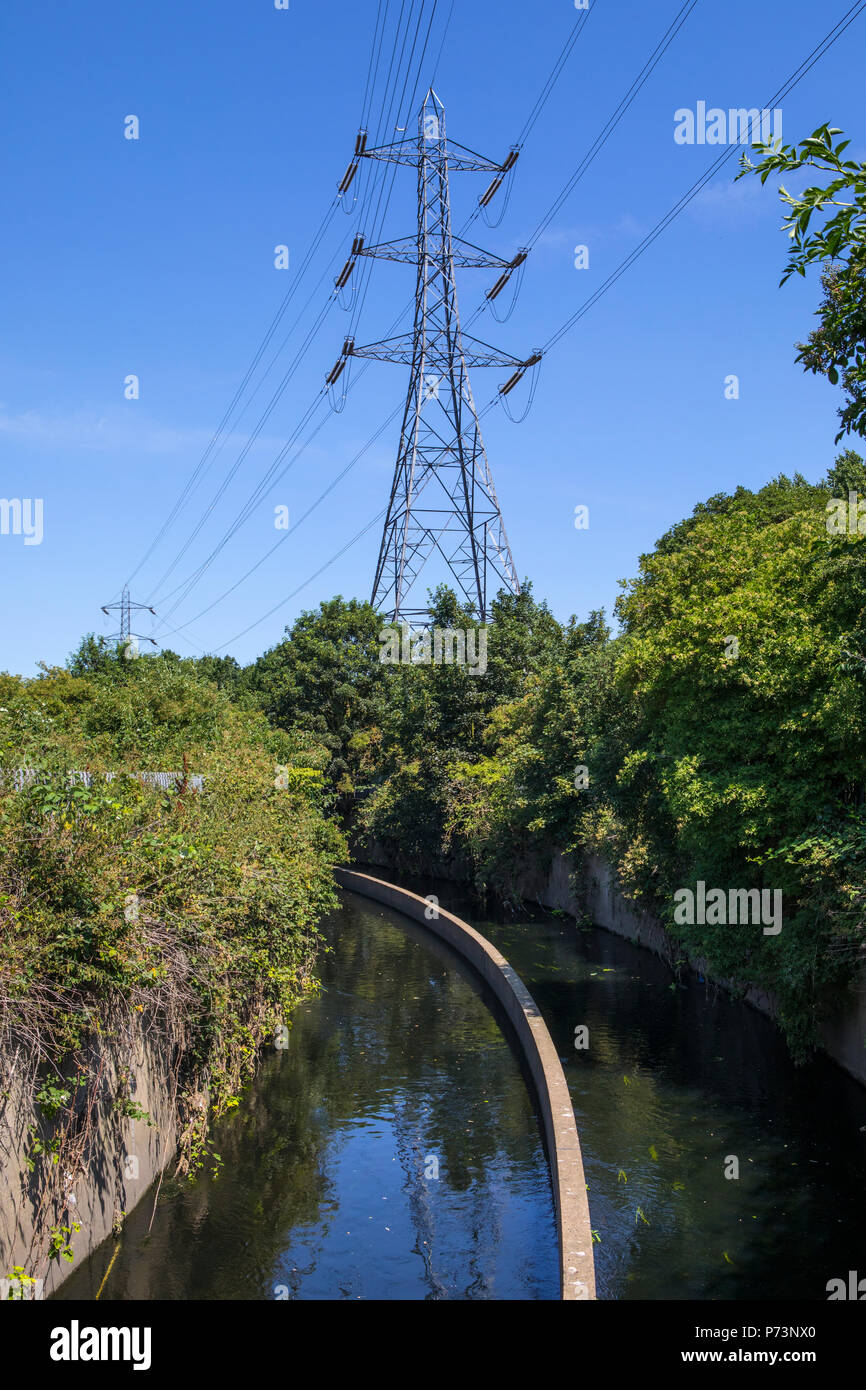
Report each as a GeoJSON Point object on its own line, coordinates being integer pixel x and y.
{"type": "Point", "coordinates": [406, 152]}
{"type": "Point", "coordinates": [439, 355]}
{"type": "Point", "coordinates": [465, 255]}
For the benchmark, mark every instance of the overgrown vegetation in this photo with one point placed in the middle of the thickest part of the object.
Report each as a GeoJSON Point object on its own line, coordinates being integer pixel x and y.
{"type": "Point", "coordinates": [721, 732]}
{"type": "Point", "coordinates": [188, 914]}
{"type": "Point", "coordinates": [718, 737]}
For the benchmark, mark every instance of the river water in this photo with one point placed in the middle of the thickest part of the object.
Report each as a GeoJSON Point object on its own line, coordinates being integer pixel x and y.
{"type": "Point", "coordinates": [403, 1069]}
{"type": "Point", "coordinates": [392, 1151]}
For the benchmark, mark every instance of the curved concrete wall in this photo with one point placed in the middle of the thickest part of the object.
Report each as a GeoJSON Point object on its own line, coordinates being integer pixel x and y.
{"type": "Point", "coordinates": [577, 1266]}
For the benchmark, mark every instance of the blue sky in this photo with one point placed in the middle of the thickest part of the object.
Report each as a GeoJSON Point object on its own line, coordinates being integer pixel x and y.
{"type": "Point", "coordinates": [155, 257]}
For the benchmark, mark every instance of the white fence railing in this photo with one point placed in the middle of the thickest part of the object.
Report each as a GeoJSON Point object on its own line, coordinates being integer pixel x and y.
{"type": "Point", "coordinates": [21, 777]}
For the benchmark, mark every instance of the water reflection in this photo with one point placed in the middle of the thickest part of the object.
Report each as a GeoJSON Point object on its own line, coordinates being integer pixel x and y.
{"type": "Point", "coordinates": [400, 1070]}
{"type": "Point", "coordinates": [674, 1083]}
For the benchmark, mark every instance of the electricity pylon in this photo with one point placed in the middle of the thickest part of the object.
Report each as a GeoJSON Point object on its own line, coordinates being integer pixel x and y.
{"type": "Point", "coordinates": [442, 496]}
{"type": "Point", "coordinates": [126, 636]}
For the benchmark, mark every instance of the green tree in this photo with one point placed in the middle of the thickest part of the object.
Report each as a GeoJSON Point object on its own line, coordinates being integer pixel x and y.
{"type": "Point", "coordinates": [837, 347]}
{"type": "Point", "coordinates": [848, 474]}
{"type": "Point", "coordinates": [745, 762]}
{"type": "Point", "coordinates": [224, 671]}
{"type": "Point", "coordinates": [325, 678]}
{"type": "Point", "coordinates": [93, 654]}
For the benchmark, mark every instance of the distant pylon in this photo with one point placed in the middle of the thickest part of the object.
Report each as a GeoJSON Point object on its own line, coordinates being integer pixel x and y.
{"type": "Point", "coordinates": [128, 639]}
{"type": "Point", "coordinates": [442, 496]}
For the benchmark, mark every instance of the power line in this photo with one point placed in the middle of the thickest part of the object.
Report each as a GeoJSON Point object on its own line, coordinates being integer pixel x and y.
{"type": "Point", "coordinates": [312, 507]}
{"type": "Point", "coordinates": [642, 77]}
{"type": "Point", "coordinates": [370, 85]}
{"type": "Point", "coordinates": [379, 221]}
{"type": "Point", "coordinates": [262, 421]}
{"type": "Point", "coordinates": [607, 130]}
{"type": "Point", "coordinates": [187, 584]}
{"type": "Point", "coordinates": [202, 465]}
{"type": "Point", "coordinates": [814, 57]}
{"type": "Point", "coordinates": [206, 458]}
{"type": "Point", "coordinates": [288, 598]}
{"type": "Point", "coordinates": [263, 485]}
{"type": "Point", "coordinates": [442, 43]}
{"type": "Point", "coordinates": [553, 76]}
{"type": "Point", "coordinates": [674, 212]}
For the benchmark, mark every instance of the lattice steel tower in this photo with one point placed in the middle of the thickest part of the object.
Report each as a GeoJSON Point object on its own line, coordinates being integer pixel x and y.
{"type": "Point", "coordinates": [442, 497]}
{"type": "Point", "coordinates": [128, 639]}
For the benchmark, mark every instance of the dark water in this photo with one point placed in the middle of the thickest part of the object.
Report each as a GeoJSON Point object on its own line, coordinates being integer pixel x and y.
{"type": "Point", "coordinates": [674, 1082]}
{"type": "Point", "coordinates": [401, 1058]}
{"type": "Point", "coordinates": [329, 1186]}
{"type": "Point", "coordinates": [672, 1086]}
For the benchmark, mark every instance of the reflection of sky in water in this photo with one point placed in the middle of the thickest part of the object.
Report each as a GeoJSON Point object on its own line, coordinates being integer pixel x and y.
{"type": "Point", "coordinates": [400, 1058]}
{"type": "Point", "coordinates": [673, 1084]}
{"type": "Point", "coordinates": [323, 1192]}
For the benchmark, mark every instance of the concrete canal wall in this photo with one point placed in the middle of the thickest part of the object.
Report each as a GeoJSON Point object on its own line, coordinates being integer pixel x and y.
{"type": "Point", "coordinates": [585, 886]}
{"type": "Point", "coordinates": [122, 1159]}
{"type": "Point", "coordinates": [588, 887]}
{"type": "Point", "coordinates": [577, 1266]}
